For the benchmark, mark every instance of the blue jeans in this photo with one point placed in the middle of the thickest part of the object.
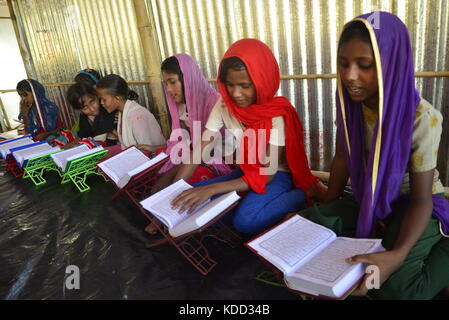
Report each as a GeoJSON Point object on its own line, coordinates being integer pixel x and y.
{"type": "Point", "coordinates": [257, 212]}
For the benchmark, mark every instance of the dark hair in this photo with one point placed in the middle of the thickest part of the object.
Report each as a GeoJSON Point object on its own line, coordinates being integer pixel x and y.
{"type": "Point", "coordinates": [171, 65]}
{"type": "Point", "coordinates": [77, 91]}
{"type": "Point", "coordinates": [89, 76]}
{"type": "Point", "coordinates": [117, 86]}
{"type": "Point", "coordinates": [232, 63]}
{"type": "Point", "coordinates": [354, 29]}
{"type": "Point", "coordinates": [23, 85]}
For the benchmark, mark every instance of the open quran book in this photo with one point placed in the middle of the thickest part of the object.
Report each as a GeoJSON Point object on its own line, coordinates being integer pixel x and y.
{"type": "Point", "coordinates": [31, 151]}
{"type": "Point", "coordinates": [7, 145]}
{"type": "Point", "coordinates": [177, 223]}
{"type": "Point", "coordinates": [62, 158]}
{"type": "Point", "coordinates": [128, 163]}
{"type": "Point", "coordinates": [312, 257]}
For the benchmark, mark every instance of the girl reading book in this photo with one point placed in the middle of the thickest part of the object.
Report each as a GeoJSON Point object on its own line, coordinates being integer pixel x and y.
{"type": "Point", "coordinates": [136, 124]}
{"type": "Point", "coordinates": [190, 100]}
{"type": "Point", "coordinates": [94, 120]}
{"type": "Point", "coordinates": [40, 115]}
{"type": "Point", "coordinates": [248, 79]}
{"type": "Point", "coordinates": [387, 143]}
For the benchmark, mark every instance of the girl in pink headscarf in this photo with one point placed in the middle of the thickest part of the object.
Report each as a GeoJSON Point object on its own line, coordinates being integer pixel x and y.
{"type": "Point", "coordinates": [190, 100]}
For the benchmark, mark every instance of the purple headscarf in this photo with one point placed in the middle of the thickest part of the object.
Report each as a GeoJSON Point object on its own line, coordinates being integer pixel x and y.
{"type": "Point", "coordinates": [200, 99]}
{"type": "Point", "coordinates": [376, 185]}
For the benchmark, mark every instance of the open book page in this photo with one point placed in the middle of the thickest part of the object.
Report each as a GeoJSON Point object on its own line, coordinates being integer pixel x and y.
{"type": "Point", "coordinates": [10, 135]}
{"type": "Point", "coordinates": [328, 272]}
{"type": "Point", "coordinates": [6, 147]}
{"type": "Point", "coordinates": [160, 206]}
{"type": "Point", "coordinates": [329, 265]}
{"type": "Point", "coordinates": [9, 140]}
{"type": "Point", "coordinates": [23, 154]}
{"type": "Point", "coordinates": [42, 153]}
{"type": "Point", "coordinates": [205, 214]}
{"type": "Point", "coordinates": [151, 162]}
{"type": "Point", "coordinates": [293, 241]}
{"type": "Point", "coordinates": [101, 137]}
{"type": "Point", "coordinates": [121, 167]}
{"type": "Point", "coordinates": [60, 158]}
{"type": "Point", "coordinates": [84, 153]}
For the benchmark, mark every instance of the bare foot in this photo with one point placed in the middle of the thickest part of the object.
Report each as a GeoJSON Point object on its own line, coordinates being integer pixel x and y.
{"type": "Point", "coordinates": [289, 215]}
{"type": "Point", "coordinates": [151, 229]}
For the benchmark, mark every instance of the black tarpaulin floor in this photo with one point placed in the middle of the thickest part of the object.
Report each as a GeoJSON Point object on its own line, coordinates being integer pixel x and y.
{"type": "Point", "coordinates": [43, 230]}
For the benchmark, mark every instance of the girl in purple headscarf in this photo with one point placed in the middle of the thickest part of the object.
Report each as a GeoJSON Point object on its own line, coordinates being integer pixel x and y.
{"type": "Point", "coordinates": [387, 143]}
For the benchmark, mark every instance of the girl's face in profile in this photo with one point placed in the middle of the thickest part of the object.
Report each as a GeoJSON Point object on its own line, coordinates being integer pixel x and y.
{"type": "Point", "coordinates": [108, 101]}
{"type": "Point", "coordinates": [26, 97]}
{"type": "Point", "coordinates": [90, 105]}
{"type": "Point", "coordinates": [241, 88]}
{"type": "Point", "coordinates": [173, 86]}
{"type": "Point", "coordinates": [357, 68]}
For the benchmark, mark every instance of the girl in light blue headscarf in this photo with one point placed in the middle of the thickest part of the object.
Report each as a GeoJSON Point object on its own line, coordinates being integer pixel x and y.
{"type": "Point", "coordinates": [40, 115]}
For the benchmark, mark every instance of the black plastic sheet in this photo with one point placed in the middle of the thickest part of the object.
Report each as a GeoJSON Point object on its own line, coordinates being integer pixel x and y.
{"type": "Point", "coordinates": [45, 229]}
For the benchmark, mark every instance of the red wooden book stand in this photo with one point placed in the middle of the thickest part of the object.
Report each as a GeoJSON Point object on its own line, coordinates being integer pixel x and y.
{"type": "Point", "coordinates": [190, 245]}
{"type": "Point", "coordinates": [278, 276]}
{"type": "Point", "coordinates": [13, 167]}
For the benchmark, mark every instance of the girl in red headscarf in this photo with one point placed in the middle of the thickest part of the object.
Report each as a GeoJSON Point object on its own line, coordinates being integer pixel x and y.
{"type": "Point", "coordinates": [272, 165]}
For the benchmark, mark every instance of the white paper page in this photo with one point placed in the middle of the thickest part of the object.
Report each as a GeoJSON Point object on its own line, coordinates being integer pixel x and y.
{"type": "Point", "coordinates": [6, 147]}
{"type": "Point", "coordinates": [119, 165]}
{"type": "Point", "coordinates": [205, 214]}
{"type": "Point", "coordinates": [101, 137]}
{"type": "Point", "coordinates": [329, 266]}
{"type": "Point", "coordinates": [159, 204]}
{"type": "Point", "coordinates": [13, 139]}
{"type": "Point", "coordinates": [291, 242]}
{"type": "Point", "coordinates": [38, 154]}
{"type": "Point", "coordinates": [10, 135]}
{"type": "Point", "coordinates": [149, 163]}
{"type": "Point", "coordinates": [21, 155]}
{"type": "Point", "coordinates": [84, 153]}
{"type": "Point", "coordinates": [60, 158]}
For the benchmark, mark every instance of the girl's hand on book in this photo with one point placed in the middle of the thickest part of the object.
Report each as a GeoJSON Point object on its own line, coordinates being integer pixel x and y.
{"type": "Point", "coordinates": [191, 198]}
{"type": "Point", "coordinates": [387, 262]}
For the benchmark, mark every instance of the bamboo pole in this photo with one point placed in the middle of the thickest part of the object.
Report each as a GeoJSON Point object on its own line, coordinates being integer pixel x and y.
{"type": "Point", "coordinates": [5, 115]}
{"type": "Point", "coordinates": [427, 74]}
{"type": "Point", "coordinates": [148, 39]}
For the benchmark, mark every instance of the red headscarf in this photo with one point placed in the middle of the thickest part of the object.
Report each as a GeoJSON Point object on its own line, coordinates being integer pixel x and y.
{"type": "Point", "coordinates": [263, 70]}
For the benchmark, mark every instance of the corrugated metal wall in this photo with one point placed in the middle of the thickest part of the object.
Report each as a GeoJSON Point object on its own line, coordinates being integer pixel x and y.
{"type": "Point", "coordinates": [64, 36]}
{"type": "Point", "coordinates": [303, 35]}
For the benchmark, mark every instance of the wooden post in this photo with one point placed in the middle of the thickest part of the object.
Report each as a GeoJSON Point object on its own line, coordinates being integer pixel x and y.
{"type": "Point", "coordinates": [4, 117]}
{"type": "Point", "coordinates": [150, 45]}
